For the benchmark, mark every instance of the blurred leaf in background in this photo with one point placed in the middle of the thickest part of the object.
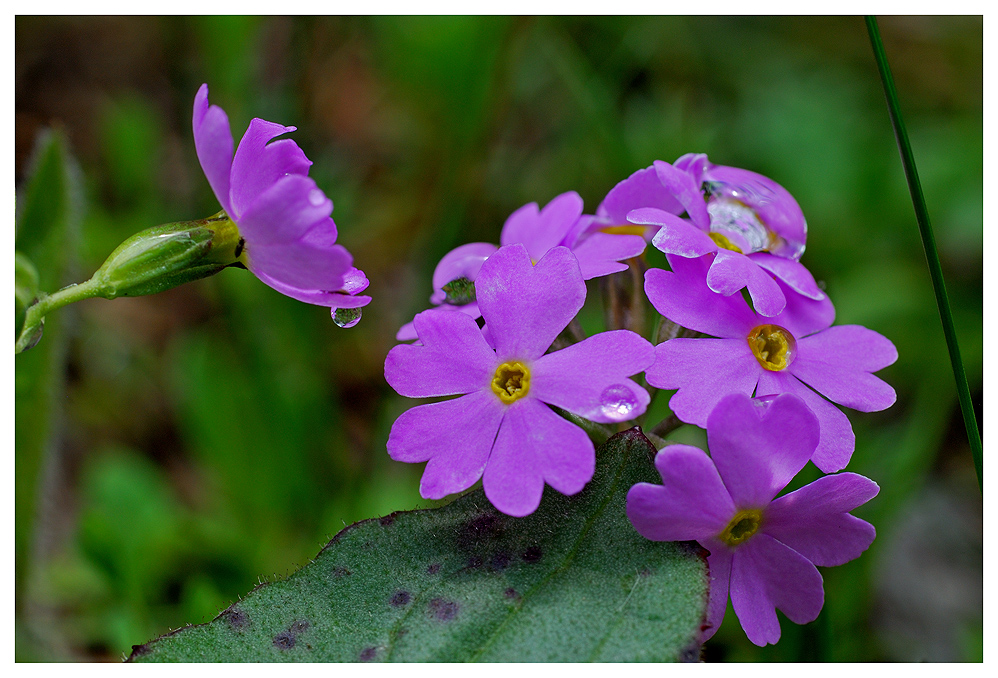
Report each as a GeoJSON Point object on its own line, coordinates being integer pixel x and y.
{"type": "Point", "coordinates": [219, 432]}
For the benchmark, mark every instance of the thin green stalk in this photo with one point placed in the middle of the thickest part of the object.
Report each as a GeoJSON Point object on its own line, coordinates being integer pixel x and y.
{"type": "Point", "coordinates": [35, 315]}
{"type": "Point", "coordinates": [929, 245]}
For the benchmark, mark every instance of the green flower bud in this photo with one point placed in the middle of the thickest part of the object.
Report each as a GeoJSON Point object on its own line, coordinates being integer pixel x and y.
{"type": "Point", "coordinates": [165, 256]}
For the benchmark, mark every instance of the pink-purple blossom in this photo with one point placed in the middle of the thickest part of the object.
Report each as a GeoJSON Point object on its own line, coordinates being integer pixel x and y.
{"type": "Point", "coordinates": [796, 351]}
{"type": "Point", "coordinates": [287, 237]}
{"type": "Point", "coordinates": [501, 428]}
{"type": "Point", "coordinates": [752, 225]}
{"type": "Point", "coordinates": [762, 550]}
{"type": "Point", "coordinates": [560, 223]}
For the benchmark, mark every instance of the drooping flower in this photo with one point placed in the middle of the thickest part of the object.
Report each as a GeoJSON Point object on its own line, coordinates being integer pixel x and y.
{"type": "Point", "coordinates": [559, 224]}
{"type": "Point", "coordinates": [762, 550]}
{"type": "Point", "coordinates": [501, 428]}
{"type": "Point", "coordinates": [793, 352]}
{"type": "Point", "coordinates": [751, 224]}
{"type": "Point", "coordinates": [286, 235]}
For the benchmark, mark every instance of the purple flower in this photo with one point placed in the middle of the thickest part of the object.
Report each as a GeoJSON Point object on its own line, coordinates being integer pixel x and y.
{"type": "Point", "coordinates": [762, 550]}
{"type": "Point", "coordinates": [750, 223]}
{"type": "Point", "coordinates": [787, 353]}
{"type": "Point", "coordinates": [559, 224]}
{"type": "Point", "coordinates": [501, 428]}
{"type": "Point", "coordinates": [287, 238]}
{"type": "Point", "coordinates": [641, 189]}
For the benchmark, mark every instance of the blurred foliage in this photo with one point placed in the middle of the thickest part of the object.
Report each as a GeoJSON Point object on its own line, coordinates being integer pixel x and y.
{"type": "Point", "coordinates": [220, 432]}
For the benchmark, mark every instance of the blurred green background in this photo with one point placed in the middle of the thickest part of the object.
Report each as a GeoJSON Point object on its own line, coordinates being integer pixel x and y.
{"type": "Point", "coordinates": [174, 450]}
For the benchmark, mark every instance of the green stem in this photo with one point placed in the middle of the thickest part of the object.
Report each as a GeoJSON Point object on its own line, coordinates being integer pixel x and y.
{"type": "Point", "coordinates": [929, 245]}
{"type": "Point", "coordinates": [35, 315]}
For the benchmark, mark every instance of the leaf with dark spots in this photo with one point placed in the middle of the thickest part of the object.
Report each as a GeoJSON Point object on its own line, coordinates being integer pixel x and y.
{"type": "Point", "coordinates": [236, 619]}
{"type": "Point", "coordinates": [532, 554]}
{"type": "Point", "coordinates": [284, 640]}
{"type": "Point", "coordinates": [443, 609]}
{"type": "Point", "coordinates": [572, 582]}
{"type": "Point", "coordinates": [499, 562]}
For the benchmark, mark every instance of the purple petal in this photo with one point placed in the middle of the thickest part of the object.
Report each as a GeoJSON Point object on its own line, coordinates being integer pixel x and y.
{"type": "Point", "coordinates": [259, 165]}
{"type": "Point", "coordinates": [687, 191]}
{"type": "Point", "coordinates": [766, 575]}
{"type": "Point", "coordinates": [340, 300]}
{"type": "Point", "coordinates": [322, 234]}
{"type": "Point", "coordinates": [452, 358]}
{"type": "Point", "coordinates": [527, 306]}
{"type": "Point", "coordinates": [603, 253]}
{"type": "Point", "coordinates": [286, 211]}
{"type": "Point", "coordinates": [300, 265]}
{"type": "Point", "coordinates": [837, 363]}
{"type": "Point", "coordinates": [804, 316]}
{"type": "Point", "coordinates": [837, 439]}
{"type": "Point", "coordinates": [462, 262]}
{"type": "Point", "coordinates": [758, 449]}
{"type": "Point", "coordinates": [719, 564]}
{"type": "Point", "coordinates": [675, 236]}
{"type": "Point", "coordinates": [535, 446]}
{"type": "Point", "coordinates": [792, 272]}
{"type": "Point", "coordinates": [408, 331]}
{"type": "Point", "coordinates": [731, 271]}
{"type": "Point", "coordinates": [333, 299]}
{"type": "Point", "coordinates": [213, 143]}
{"type": "Point", "coordinates": [641, 189]}
{"type": "Point", "coordinates": [354, 281]}
{"type": "Point", "coordinates": [814, 521]}
{"type": "Point", "coordinates": [684, 298]}
{"type": "Point", "coordinates": [690, 504]}
{"type": "Point", "coordinates": [455, 436]}
{"type": "Point", "coordinates": [540, 230]}
{"type": "Point", "coordinates": [704, 371]}
{"type": "Point", "coordinates": [590, 378]}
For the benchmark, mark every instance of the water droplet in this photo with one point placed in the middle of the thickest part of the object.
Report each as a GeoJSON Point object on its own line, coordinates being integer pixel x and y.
{"type": "Point", "coordinates": [763, 402]}
{"type": "Point", "coordinates": [617, 402]}
{"type": "Point", "coordinates": [316, 197]}
{"type": "Point", "coordinates": [346, 317]}
{"type": "Point", "coordinates": [739, 211]}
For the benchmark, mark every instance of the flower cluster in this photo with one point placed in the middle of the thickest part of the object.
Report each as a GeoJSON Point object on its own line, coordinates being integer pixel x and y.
{"type": "Point", "coordinates": [762, 370]}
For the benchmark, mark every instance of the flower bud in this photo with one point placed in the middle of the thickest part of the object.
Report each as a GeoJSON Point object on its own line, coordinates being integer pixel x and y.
{"type": "Point", "coordinates": [163, 257]}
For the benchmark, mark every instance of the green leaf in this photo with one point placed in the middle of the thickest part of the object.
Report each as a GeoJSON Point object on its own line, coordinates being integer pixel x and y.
{"type": "Point", "coordinates": [49, 207]}
{"type": "Point", "coordinates": [571, 582]}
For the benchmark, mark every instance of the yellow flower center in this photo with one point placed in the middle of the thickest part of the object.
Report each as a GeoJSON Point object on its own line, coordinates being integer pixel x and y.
{"type": "Point", "coordinates": [722, 241]}
{"type": "Point", "coordinates": [742, 526]}
{"type": "Point", "coordinates": [773, 346]}
{"type": "Point", "coordinates": [511, 382]}
{"type": "Point", "coordinates": [625, 229]}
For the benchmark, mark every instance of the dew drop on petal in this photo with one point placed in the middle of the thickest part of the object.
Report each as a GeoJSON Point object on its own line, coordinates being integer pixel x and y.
{"type": "Point", "coordinates": [617, 402]}
{"type": "Point", "coordinates": [346, 317]}
{"type": "Point", "coordinates": [763, 402]}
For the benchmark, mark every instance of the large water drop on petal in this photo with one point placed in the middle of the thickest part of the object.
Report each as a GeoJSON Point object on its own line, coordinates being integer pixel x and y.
{"type": "Point", "coordinates": [617, 402]}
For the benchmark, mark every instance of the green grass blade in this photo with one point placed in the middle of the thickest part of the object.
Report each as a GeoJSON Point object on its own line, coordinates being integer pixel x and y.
{"type": "Point", "coordinates": [929, 244]}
